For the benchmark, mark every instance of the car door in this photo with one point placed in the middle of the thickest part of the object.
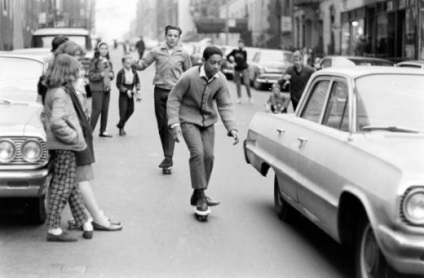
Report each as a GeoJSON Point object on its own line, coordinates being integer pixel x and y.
{"type": "Point", "coordinates": [288, 133]}
{"type": "Point", "coordinates": [324, 156]}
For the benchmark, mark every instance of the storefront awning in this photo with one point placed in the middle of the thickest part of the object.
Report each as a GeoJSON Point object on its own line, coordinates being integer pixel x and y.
{"type": "Point", "coordinates": [217, 25]}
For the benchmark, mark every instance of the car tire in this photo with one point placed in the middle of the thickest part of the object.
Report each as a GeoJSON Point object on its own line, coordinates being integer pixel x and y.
{"type": "Point", "coordinates": [284, 210]}
{"type": "Point", "coordinates": [36, 209]}
{"type": "Point", "coordinates": [257, 85]}
{"type": "Point", "coordinates": [369, 261]}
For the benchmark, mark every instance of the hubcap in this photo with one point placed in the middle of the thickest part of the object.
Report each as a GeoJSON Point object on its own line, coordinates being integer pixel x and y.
{"type": "Point", "coordinates": [370, 252]}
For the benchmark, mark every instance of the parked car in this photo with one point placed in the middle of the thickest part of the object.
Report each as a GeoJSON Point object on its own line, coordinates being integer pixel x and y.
{"type": "Point", "coordinates": [227, 67]}
{"type": "Point", "coordinates": [24, 159]}
{"type": "Point", "coordinates": [341, 61]}
{"type": "Point", "coordinates": [42, 38]}
{"type": "Point", "coordinates": [267, 66]}
{"type": "Point", "coordinates": [351, 160]}
{"type": "Point", "coordinates": [411, 64]}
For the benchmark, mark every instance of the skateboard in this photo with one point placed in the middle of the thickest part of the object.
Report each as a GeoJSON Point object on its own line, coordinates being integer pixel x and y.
{"type": "Point", "coordinates": [167, 171]}
{"type": "Point", "coordinates": [201, 216]}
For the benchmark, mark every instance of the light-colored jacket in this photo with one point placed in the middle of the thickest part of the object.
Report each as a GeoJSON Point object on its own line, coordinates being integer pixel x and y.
{"type": "Point", "coordinates": [169, 67]}
{"type": "Point", "coordinates": [60, 122]}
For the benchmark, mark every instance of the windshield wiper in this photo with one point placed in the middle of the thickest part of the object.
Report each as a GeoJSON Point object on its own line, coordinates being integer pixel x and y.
{"type": "Point", "coordinates": [390, 128]}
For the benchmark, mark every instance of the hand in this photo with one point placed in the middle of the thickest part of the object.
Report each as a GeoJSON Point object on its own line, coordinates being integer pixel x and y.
{"type": "Point", "coordinates": [287, 76]}
{"type": "Point", "coordinates": [234, 134]}
{"type": "Point", "coordinates": [133, 61]}
{"type": "Point", "coordinates": [129, 94]}
{"type": "Point", "coordinates": [177, 133]}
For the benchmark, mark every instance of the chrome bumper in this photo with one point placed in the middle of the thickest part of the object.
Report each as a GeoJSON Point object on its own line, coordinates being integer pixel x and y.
{"type": "Point", "coordinates": [405, 252]}
{"type": "Point", "coordinates": [28, 183]}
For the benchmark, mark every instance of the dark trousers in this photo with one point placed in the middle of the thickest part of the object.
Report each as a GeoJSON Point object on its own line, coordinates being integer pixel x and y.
{"type": "Point", "coordinates": [100, 106]}
{"type": "Point", "coordinates": [126, 109]}
{"type": "Point", "coordinates": [200, 142]}
{"type": "Point", "coordinates": [168, 143]}
{"type": "Point", "coordinates": [295, 102]}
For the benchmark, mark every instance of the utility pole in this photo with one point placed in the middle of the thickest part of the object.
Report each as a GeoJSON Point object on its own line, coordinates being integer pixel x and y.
{"type": "Point", "coordinates": [226, 22]}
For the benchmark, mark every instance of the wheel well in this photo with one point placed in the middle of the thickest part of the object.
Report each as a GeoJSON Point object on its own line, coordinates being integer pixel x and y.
{"type": "Point", "coordinates": [264, 169]}
{"type": "Point", "coordinates": [351, 211]}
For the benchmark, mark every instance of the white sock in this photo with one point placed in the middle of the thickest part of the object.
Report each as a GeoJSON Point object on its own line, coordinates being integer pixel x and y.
{"type": "Point", "coordinates": [55, 231]}
{"type": "Point", "coordinates": [87, 226]}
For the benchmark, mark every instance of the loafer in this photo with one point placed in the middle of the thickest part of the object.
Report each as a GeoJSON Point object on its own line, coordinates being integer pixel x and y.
{"type": "Point", "coordinates": [209, 201]}
{"type": "Point", "coordinates": [105, 134]}
{"type": "Point", "coordinates": [63, 237]}
{"type": "Point", "coordinates": [111, 228]}
{"type": "Point", "coordinates": [87, 234]}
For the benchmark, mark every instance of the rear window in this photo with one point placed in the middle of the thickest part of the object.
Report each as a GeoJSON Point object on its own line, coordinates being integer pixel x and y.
{"type": "Point", "coordinates": [365, 62]}
{"type": "Point", "coordinates": [46, 41]}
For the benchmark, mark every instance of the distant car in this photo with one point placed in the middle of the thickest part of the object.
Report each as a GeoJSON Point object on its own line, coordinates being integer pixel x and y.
{"type": "Point", "coordinates": [42, 38]}
{"type": "Point", "coordinates": [341, 61]}
{"type": "Point", "coordinates": [267, 66]}
{"type": "Point", "coordinates": [351, 160]}
{"type": "Point", "coordinates": [24, 158]}
{"type": "Point", "coordinates": [227, 67]}
{"type": "Point", "coordinates": [411, 64]}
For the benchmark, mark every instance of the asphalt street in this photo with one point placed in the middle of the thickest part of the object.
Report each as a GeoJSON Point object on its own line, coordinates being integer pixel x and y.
{"type": "Point", "coordinates": [161, 237]}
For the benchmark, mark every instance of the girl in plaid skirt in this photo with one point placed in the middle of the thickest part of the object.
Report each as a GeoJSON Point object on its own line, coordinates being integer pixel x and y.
{"type": "Point", "coordinates": [64, 138]}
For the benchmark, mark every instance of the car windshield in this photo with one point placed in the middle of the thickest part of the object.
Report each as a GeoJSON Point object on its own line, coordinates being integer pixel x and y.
{"type": "Point", "coordinates": [367, 62]}
{"type": "Point", "coordinates": [384, 102]}
{"type": "Point", "coordinates": [276, 56]}
{"type": "Point", "coordinates": [46, 41]}
{"type": "Point", "coordinates": [19, 78]}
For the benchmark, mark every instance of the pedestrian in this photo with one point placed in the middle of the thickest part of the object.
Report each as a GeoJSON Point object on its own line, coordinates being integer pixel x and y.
{"type": "Point", "coordinates": [193, 107]}
{"type": "Point", "coordinates": [277, 102]}
{"type": "Point", "coordinates": [171, 61]}
{"type": "Point", "coordinates": [297, 76]}
{"type": "Point", "coordinates": [100, 75]}
{"type": "Point", "coordinates": [85, 158]}
{"type": "Point", "coordinates": [41, 87]}
{"type": "Point", "coordinates": [64, 139]}
{"type": "Point", "coordinates": [140, 47]}
{"type": "Point", "coordinates": [128, 85]}
{"type": "Point", "coordinates": [241, 70]}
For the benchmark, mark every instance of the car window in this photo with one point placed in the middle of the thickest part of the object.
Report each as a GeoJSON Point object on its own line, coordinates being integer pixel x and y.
{"type": "Point", "coordinates": [316, 102]}
{"type": "Point", "coordinates": [337, 112]}
{"type": "Point", "coordinates": [19, 78]}
{"type": "Point", "coordinates": [409, 66]}
{"type": "Point", "coordinates": [390, 100]}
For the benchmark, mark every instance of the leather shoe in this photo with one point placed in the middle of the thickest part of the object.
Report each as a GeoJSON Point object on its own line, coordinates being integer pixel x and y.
{"type": "Point", "coordinates": [105, 134]}
{"type": "Point", "coordinates": [111, 228]}
{"type": "Point", "coordinates": [209, 201]}
{"type": "Point", "coordinates": [63, 237]}
{"type": "Point", "coordinates": [121, 132]}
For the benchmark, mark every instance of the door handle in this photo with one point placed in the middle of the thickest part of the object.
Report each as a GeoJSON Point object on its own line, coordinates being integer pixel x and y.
{"type": "Point", "coordinates": [302, 141]}
{"type": "Point", "coordinates": [280, 131]}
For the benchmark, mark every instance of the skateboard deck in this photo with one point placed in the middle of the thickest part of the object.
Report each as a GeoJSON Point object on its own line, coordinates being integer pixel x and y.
{"type": "Point", "coordinates": [167, 171]}
{"type": "Point", "coordinates": [201, 216]}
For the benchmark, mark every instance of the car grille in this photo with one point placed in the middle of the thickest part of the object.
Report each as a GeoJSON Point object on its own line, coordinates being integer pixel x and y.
{"type": "Point", "coordinates": [18, 162]}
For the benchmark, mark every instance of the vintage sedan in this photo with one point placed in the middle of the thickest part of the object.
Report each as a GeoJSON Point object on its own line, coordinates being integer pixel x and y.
{"type": "Point", "coordinates": [351, 159]}
{"type": "Point", "coordinates": [24, 159]}
{"type": "Point", "coordinates": [267, 66]}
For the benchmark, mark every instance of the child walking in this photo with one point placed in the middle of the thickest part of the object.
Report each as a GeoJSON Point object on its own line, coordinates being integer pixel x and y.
{"type": "Point", "coordinates": [100, 75]}
{"type": "Point", "coordinates": [64, 139]}
{"type": "Point", "coordinates": [128, 85]}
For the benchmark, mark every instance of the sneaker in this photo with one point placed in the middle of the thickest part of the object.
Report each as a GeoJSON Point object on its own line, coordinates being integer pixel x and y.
{"type": "Point", "coordinates": [105, 134]}
{"type": "Point", "coordinates": [166, 163]}
{"type": "Point", "coordinates": [251, 101]}
{"type": "Point", "coordinates": [63, 237]}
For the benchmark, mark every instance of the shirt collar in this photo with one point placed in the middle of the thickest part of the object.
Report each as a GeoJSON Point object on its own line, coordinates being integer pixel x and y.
{"type": "Point", "coordinates": [203, 74]}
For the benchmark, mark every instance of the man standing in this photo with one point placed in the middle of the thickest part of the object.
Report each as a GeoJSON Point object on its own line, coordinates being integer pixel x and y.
{"type": "Point", "coordinates": [171, 61]}
{"type": "Point", "coordinates": [297, 76]}
{"type": "Point", "coordinates": [193, 107]}
{"type": "Point", "coordinates": [241, 70]}
{"type": "Point", "coordinates": [140, 47]}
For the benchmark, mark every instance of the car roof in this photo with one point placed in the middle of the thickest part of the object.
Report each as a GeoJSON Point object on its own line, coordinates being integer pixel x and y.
{"type": "Point", "coordinates": [357, 58]}
{"type": "Point", "coordinates": [61, 31]}
{"type": "Point", "coordinates": [355, 72]}
{"type": "Point", "coordinates": [39, 58]}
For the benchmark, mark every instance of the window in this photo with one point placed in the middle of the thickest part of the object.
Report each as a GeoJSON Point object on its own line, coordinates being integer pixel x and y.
{"type": "Point", "coordinates": [337, 112]}
{"type": "Point", "coordinates": [326, 63]}
{"type": "Point", "coordinates": [316, 102]}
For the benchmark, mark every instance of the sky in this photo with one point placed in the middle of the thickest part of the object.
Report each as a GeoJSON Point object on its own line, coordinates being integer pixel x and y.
{"type": "Point", "coordinates": [113, 18]}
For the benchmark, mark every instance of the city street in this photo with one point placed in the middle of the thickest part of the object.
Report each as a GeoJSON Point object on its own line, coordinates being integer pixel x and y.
{"type": "Point", "coordinates": [161, 237]}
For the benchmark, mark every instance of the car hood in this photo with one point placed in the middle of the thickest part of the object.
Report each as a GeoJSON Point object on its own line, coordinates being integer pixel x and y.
{"type": "Point", "coordinates": [21, 119]}
{"type": "Point", "coordinates": [272, 66]}
{"type": "Point", "coordinates": [403, 151]}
